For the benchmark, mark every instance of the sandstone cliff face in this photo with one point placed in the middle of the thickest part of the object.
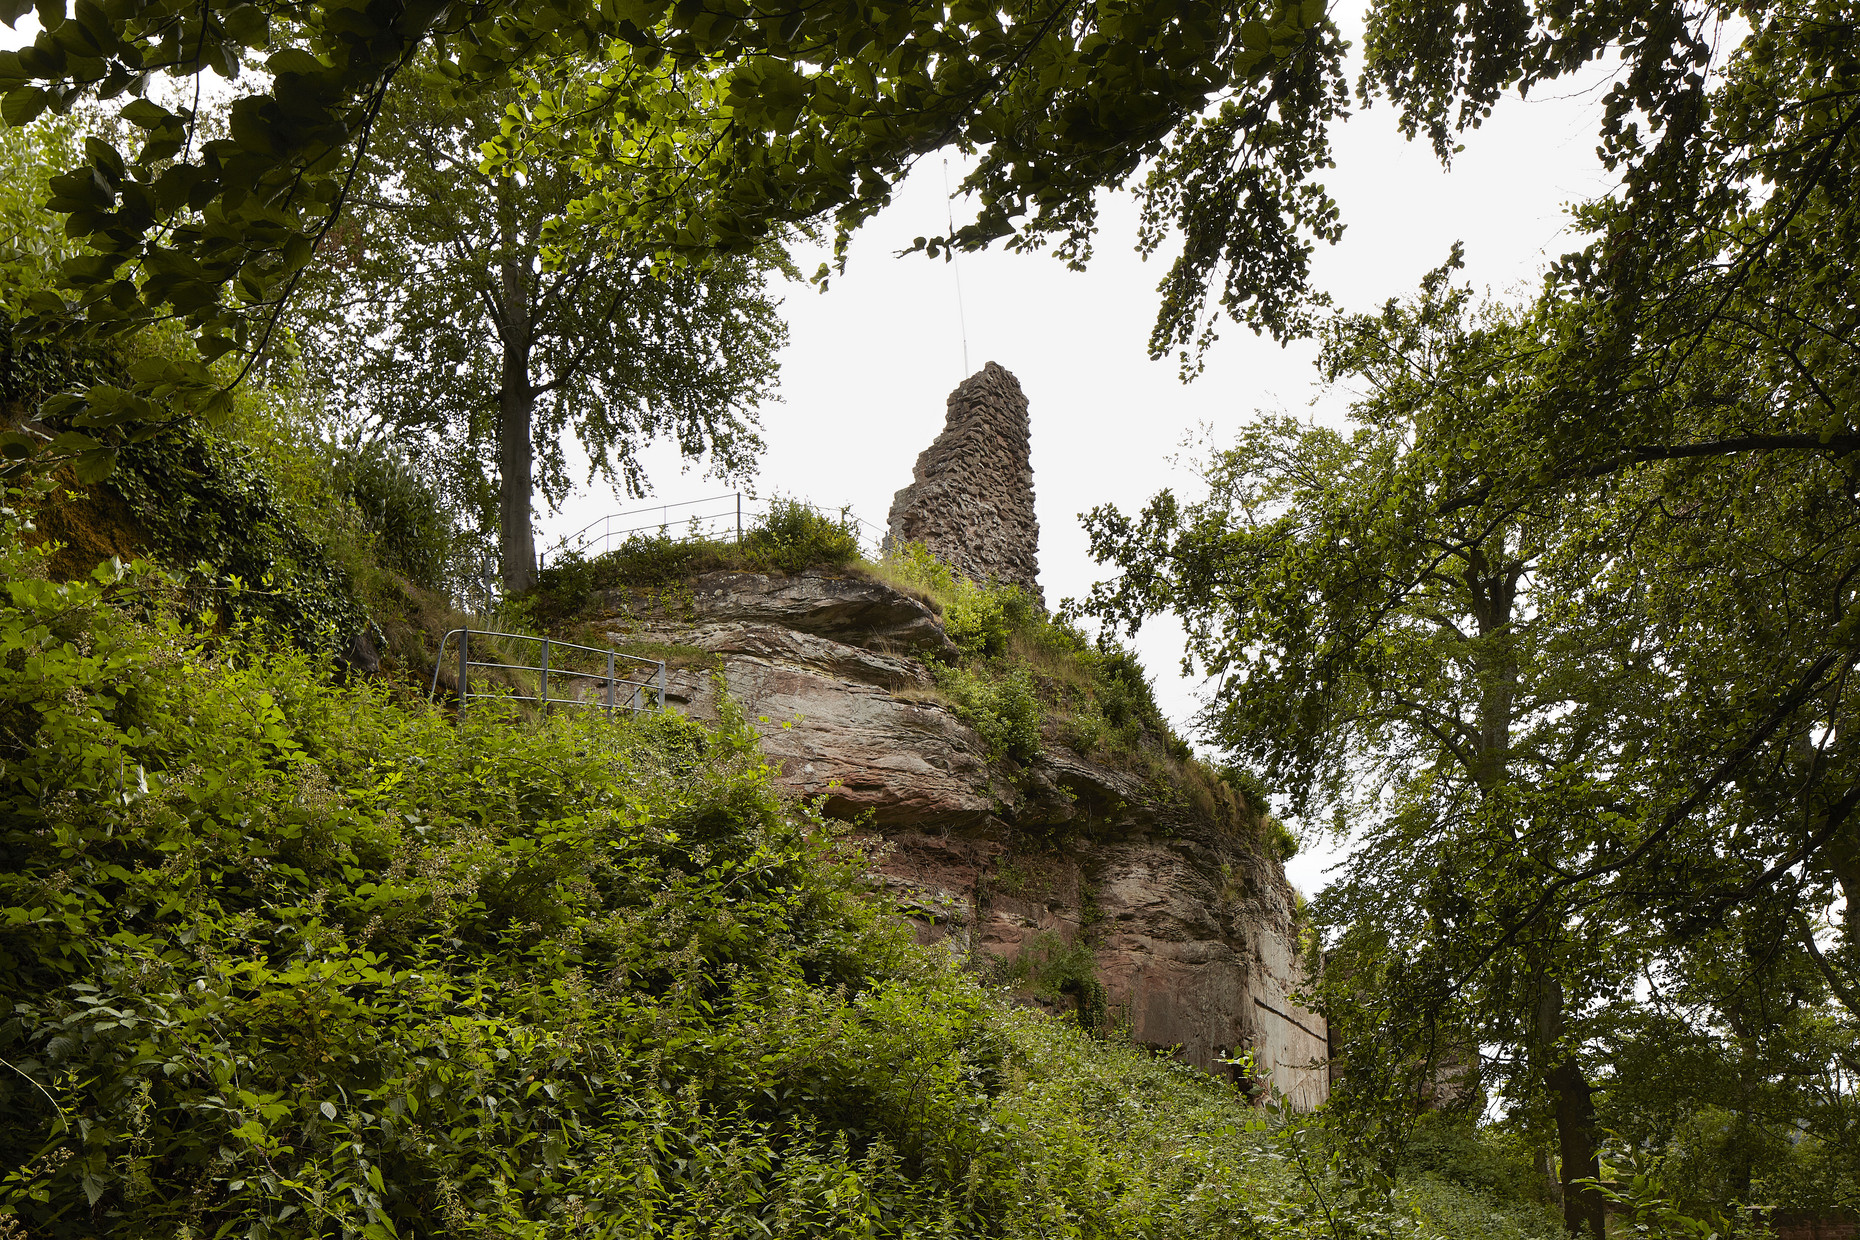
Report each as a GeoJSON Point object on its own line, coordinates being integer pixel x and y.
{"type": "Point", "coordinates": [1187, 928]}
{"type": "Point", "coordinates": [970, 500]}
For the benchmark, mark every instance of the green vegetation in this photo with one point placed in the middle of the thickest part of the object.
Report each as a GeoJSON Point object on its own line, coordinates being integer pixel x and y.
{"type": "Point", "coordinates": [1586, 731]}
{"type": "Point", "coordinates": [289, 959]}
{"type": "Point", "coordinates": [1561, 631]}
{"type": "Point", "coordinates": [1051, 969]}
{"type": "Point", "coordinates": [431, 320]}
{"type": "Point", "coordinates": [792, 536]}
{"type": "Point", "coordinates": [1018, 667]}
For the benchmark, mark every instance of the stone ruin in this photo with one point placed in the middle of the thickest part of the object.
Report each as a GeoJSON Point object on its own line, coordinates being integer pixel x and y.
{"type": "Point", "coordinates": [970, 500]}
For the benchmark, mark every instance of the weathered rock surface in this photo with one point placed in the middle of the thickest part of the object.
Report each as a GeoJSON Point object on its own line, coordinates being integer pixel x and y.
{"type": "Point", "coordinates": [1190, 925]}
{"type": "Point", "coordinates": [970, 500]}
{"type": "Point", "coordinates": [847, 608]}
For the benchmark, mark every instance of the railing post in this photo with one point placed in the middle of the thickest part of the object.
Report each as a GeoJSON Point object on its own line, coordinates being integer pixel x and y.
{"type": "Point", "coordinates": [660, 677]}
{"type": "Point", "coordinates": [610, 682]}
{"type": "Point", "coordinates": [545, 676]}
{"type": "Point", "coordinates": [464, 666]}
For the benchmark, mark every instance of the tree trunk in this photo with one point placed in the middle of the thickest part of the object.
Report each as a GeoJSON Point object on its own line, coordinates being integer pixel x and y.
{"type": "Point", "coordinates": [1584, 1210]}
{"type": "Point", "coordinates": [516, 402]}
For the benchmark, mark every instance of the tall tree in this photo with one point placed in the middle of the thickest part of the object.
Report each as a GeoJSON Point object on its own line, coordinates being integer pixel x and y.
{"type": "Point", "coordinates": [1604, 719]}
{"type": "Point", "coordinates": [464, 309]}
{"type": "Point", "coordinates": [1391, 659]}
{"type": "Point", "coordinates": [822, 111]}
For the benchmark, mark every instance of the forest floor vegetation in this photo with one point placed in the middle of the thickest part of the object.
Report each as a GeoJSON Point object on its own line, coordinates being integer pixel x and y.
{"type": "Point", "coordinates": [281, 956]}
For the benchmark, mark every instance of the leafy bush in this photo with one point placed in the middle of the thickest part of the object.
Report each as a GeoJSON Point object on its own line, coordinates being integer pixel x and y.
{"type": "Point", "coordinates": [791, 538]}
{"type": "Point", "coordinates": [416, 533]}
{"type": "Point", "coordinates": [1249, 786]}
{"type": "Point", "coordinates": [980, 617]}
{"type": "Point", "coordinates": [285, 959]}
{"type": "Point", "coordinates": [1457, 1148]}
{"type": "Point", "coordinates": [207, 505]}
{"type": "Point", "coordinates": [1003, 707]}
{"type": "Point", "coordinates": [794, 536]}
{"type": "Point", "coordinates": [1056, 971]}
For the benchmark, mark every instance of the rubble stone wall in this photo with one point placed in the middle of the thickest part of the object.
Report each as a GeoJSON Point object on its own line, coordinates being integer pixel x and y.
{"type": "Point", "coordinates": [970, 500]}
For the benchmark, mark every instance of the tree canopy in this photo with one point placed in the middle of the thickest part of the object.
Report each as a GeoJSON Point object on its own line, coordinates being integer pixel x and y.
{"type": "Point", "coordinates": [728, 122]}
{"type": "Point", "coordinates": [431, 318]}
{"type": "Point", "coordinates": [1590, 735]}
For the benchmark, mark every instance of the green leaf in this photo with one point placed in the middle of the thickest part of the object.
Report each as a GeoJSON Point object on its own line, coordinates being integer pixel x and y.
{"type": "Point", "coordinates": [23, 104]}
{"type": "Point", "coordinates": [74, 441]}
{"type": "Point", "coordinates": [248, 24]}
{"type": "Point", "coordinates": [145, 115]}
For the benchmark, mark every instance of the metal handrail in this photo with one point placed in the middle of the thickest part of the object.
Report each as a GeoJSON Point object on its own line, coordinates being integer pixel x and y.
{"type": "Point", "coordinates": [582, 539]}
{"type": "Point", "coordinates": [665, 512]}
{"type": "Point", "coordinates": [610, 682]}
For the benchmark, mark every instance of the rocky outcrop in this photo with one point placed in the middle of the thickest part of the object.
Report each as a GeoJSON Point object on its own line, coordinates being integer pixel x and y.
{"type": "Point", "coordinates": [970, 500]}
{"type": "Point", "coordinates": [847, 609]}
{"type": "Point", "coordinates": [1186, 924]}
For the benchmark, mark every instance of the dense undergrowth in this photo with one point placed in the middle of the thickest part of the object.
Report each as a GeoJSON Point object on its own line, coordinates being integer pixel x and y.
{"type": "Point", "coordinates": [264, 519]}
{"type": "Point", "coordinates": [280, 957]}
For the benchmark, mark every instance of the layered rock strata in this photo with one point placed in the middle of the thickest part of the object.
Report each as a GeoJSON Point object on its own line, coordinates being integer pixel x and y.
{"type": "Point", "coordinates": [1187, 926]}
{"type": "Point", "coordinates": [970, 500]}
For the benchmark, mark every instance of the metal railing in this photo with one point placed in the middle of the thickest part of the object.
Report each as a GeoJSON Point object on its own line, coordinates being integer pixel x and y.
{"type": "Point", "coordinates": [720, 518]}
{"type": "Point", "coordinates": [605, 687]}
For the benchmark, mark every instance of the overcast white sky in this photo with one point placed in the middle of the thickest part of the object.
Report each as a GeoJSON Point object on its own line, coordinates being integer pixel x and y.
{"type": "Point", "coordinates": [871, 361]}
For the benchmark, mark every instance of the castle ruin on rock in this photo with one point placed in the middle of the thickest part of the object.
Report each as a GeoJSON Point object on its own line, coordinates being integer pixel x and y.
{"type": "Point", "coordinates": [970, 500]}
{"type": "Point", "coordinates": [1184, 912]}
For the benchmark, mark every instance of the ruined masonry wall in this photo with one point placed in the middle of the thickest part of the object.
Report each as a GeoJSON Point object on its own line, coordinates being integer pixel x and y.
{"type": "Point", "coordinates": [970, 500]}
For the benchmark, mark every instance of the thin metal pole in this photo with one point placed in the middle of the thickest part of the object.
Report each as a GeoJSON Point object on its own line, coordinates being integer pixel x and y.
{"type": "Point", "coordinates": [545, 676]}
{"type": "Point", "coordinates": [962, 319]}
{"type": "Point", "coordinates": [464, 666]}
{"type": "Point", "coordinates": [739, 518]}
{"type": "Point", "coordinates": [660, 677]}
{"type": "Point", "coordinates": [610, 683]}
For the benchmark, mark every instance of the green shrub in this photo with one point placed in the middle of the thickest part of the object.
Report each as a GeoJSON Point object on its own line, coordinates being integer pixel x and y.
{"type": "Point", "coordinates": [1124, 692]}
{"type": "Point", "coordinates": [1280, 838]}
{"type": "Point", "coordinates": [1004, 707]}
{"type": "Point", "coordinates": [415, 531]}
{"type": "Point", "coordinates": [1459, 1149]}
{"type": "Point", "coordinates": [286, 959]}
{"type": "Point", "coordinates": [980, 617]}
{"type": "Point", "coordinates": [1056, 970]}
{"type": "Point", "coordinates": [1249, 786]}
{"type": "Point", "coordinates": [210, 507]}
{"type": "Point", "coordinates": [794, 536]}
